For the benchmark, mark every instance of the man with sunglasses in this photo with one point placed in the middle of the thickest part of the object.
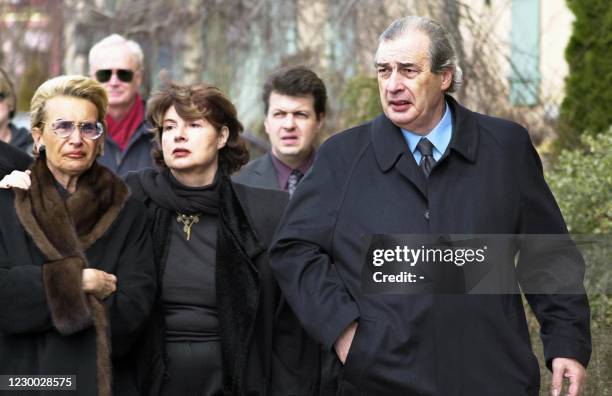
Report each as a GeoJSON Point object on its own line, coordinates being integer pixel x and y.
{"type": "Point", "coordinates": [9, 132]}
{"type": "Point", "coordinates": [117, 63]}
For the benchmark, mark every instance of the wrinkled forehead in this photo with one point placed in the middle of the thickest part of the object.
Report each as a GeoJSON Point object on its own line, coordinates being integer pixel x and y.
{"type": "Point", "coordinates": [72, 108]}
{"type": "Point", "coordinates": [115, 57]}
{"type": "Point", "coordinates": [411, 47]}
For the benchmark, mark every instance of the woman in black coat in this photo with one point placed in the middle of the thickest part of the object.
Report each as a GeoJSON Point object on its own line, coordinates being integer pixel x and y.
{"type": "Point", "coordinates": [220, 326]}
{"type": "Point", "coordinates": [77, 278]}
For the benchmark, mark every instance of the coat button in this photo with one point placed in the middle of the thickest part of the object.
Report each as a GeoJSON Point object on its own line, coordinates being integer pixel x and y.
{"type": "Point", "coordinates": [427, 214]}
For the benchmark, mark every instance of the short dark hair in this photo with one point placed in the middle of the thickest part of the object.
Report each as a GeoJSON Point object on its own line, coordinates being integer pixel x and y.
{"type": "Point", "coordinates": [296, 81]}
{"type": "Point", "coordinates": [194, 102]}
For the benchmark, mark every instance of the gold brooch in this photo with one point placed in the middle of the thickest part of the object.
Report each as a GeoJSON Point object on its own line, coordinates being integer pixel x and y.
{"type": "Point", "coordinates": [188, 221]}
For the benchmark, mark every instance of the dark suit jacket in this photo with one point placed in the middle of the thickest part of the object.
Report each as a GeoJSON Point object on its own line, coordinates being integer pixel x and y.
{"type": "Point", "coordinates": [259, 173]}
{"type": "Point", "coordinates": [366, 182]}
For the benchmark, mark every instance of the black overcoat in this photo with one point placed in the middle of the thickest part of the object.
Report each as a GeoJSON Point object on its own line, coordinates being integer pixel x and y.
{"type": "Point", "coordinates": [365, 182]}
{"type": "Point", "coordinates": [281, 359]}
{"type": "Point", "coordinates": [11, 158]}
{"type": "Point", "coordinates": [29, 344]}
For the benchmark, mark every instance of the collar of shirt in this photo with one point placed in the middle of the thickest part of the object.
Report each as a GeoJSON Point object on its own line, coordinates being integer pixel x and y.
{"type": "Point", "coordinates": [283, 171]}
{"type": "Point", "coordinates": [439, 136]}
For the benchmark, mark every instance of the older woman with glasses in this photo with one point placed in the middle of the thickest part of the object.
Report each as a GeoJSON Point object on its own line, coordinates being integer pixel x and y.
{"type": "Point", "coordinates": [77, 277]}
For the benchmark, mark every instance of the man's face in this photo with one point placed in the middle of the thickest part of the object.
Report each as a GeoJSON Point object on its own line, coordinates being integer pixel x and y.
{"type": "Point", "coordinates": [411, 95]}
{"type": "Point", "coordinates": [120, 93]}
{"type": "Point", "coordinates": [292, 125]}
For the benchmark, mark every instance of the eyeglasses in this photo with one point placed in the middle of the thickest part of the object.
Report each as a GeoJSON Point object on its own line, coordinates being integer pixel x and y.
{"type": "Point", "coordinates": [88, 129]}
{"type": "Point", "coordinates": [104, 75]}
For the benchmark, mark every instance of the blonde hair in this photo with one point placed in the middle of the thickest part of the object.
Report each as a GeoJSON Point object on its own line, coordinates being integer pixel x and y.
{"type": "Point", "coordinates": [116, 40]}
{"type": "Point", "coordinates": [72, 86]}
{"type": "Point", "coordinates": [6, 87]}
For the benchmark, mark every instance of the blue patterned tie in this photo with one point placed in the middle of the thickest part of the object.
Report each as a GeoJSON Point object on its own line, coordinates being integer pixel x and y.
{"type": "Point", "coordinates": [427, 163]}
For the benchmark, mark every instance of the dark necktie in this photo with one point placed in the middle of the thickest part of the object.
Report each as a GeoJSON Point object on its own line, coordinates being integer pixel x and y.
{"type": "Point", "coordinates": [294, 179]}
{"type": "Point", "coordinates": [427, 163]}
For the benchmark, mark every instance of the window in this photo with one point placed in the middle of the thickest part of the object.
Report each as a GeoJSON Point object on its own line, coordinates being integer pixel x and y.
{"type": "Point", "coordinates": [525, 53]}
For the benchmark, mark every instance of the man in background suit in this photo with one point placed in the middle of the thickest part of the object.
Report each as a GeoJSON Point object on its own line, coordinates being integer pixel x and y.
{"type": "Point", "coordinates": [428, 166]}
{"type": "Point", "coordinates": [294, 103]}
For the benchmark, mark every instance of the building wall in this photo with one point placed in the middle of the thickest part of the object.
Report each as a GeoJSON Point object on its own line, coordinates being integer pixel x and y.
{"type": "Point", "coordinates": [495, 17]}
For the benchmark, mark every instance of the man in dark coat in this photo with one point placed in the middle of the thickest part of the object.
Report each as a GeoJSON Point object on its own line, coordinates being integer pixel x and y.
{"type": "Point", "coordinates": [425, 166]}
{"type": "Point", "coordinates": [117, 63]}
{"type": "Point", "coordinates": [294, 101]}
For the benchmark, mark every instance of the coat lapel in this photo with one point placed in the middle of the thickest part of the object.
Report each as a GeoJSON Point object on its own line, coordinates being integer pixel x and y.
{"type": "Point", "coordinates": [391, 149]}
{"type": "Point", "coordinates": [464, 139]}
{"type": "Point", "coordinates": [266, 173]}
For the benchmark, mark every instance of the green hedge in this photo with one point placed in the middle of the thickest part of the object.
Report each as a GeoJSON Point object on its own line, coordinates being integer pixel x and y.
{"type": "Point", "coordinates": [586, 106]}
{"type": "Point", "coordinates": [581, 180]}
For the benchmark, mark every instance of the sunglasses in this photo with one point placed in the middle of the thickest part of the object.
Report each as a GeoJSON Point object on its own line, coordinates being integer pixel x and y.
{"type": "Point", "coordinates": [88, 129]}
{"type": "Point", "coordinates": [104, 75]}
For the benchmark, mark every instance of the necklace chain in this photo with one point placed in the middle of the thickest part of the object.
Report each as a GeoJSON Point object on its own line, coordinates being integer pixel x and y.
{"type": "Point", "coordinates": [188, 221]}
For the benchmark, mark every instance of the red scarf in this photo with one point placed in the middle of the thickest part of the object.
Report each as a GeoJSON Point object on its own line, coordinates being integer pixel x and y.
{"type": "Point", "coordinates": [121, 131]}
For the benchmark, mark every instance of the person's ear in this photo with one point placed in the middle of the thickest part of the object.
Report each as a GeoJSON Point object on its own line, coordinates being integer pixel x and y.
{"type": "Point", "coordinates": [223, 136]}
{"type": "Point", "coordinates": [266, 125]}
{"type": "Point", "coordinates": [138, 74]}
{"type": "Point", "coordinates": [320, 122]}
{"type": "Point", "coordinates": [36, 134]}
{"type": "Point", "coordinates": [447, 78]}
{"type": "Point", "coordinates": [38, 140]}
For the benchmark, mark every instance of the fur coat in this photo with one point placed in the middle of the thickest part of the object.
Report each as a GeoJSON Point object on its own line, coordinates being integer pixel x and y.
{"type": "Point", "coordinates": [48, 325]}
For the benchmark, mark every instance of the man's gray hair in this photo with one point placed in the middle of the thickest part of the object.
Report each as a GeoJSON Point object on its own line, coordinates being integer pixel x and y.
{"type": "Point", "coordinates": [116, 40]}
{"type": "Point", "coordinates": [442, 54]}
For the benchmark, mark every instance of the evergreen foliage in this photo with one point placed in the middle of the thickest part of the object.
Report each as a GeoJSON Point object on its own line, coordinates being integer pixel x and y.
{"type": "Point", "coordinates": [582, 183]}
{"type": "Point", "coordinates": [587, 106]}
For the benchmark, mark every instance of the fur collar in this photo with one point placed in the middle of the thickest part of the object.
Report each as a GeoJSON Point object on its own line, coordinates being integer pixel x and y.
{"type": "Point", "coordinates": [63, 230]}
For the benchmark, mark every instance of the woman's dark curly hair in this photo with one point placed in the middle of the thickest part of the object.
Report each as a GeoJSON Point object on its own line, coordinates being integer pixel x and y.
{"type": "Point", "coordinates": [196, 102]}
